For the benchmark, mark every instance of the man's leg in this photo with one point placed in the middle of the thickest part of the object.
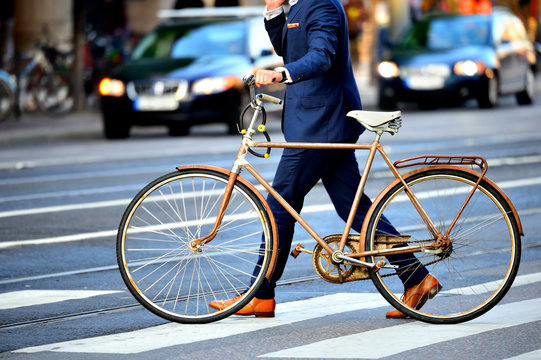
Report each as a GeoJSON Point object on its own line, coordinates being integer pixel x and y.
{"type": "Point", "coordinates": [298, 172]}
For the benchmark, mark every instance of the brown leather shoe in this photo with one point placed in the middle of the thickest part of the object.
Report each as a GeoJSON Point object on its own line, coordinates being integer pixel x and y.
{"type": "Point", "coordinates": [257, 307]}
{"type": "Point", "coordinates": [417, 295]}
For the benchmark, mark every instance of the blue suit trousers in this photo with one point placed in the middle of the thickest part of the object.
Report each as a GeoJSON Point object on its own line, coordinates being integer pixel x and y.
{"type": "Point", "coordinates": [298, 172]}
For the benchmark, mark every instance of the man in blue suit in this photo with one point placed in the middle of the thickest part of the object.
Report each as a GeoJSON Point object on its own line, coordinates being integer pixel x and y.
{"type": "Point", "coordinates": [321, 89]}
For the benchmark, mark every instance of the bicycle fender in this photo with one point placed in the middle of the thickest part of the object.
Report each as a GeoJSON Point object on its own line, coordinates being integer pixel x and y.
{"type": "Point", "coordinates": [245, 182]}
{"type": "Point", "coordinates": [414, 172]}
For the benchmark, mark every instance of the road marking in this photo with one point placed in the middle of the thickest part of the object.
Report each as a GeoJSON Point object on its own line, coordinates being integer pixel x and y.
{"type": "Point", "coordinates": [113, 233]}
{"type": "Point", "coordinates": [172, 334]}
{"type": "Point", "coordinates": [17, 299]}
{"type": "Point", "coordinates": [375, 344]}
{"type": "Point", "coordinates": [533, 355]}
{"type": "Point", "coordinates": [123, 202]}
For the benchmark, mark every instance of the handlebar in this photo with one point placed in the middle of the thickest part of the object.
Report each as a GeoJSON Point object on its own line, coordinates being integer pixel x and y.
{"type": "Point", "coordinates": [256, 103]}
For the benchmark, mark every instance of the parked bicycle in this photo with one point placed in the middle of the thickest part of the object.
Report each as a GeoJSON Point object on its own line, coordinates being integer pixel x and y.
{"type": "Point", "coordinates": [197, 234]}
{"type": "Point", "coordinates": [43, 83]}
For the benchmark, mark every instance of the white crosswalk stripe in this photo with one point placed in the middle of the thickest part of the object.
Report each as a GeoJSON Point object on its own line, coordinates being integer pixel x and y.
{"type": "Point", "coordinates": [375, 344]}
{"type": "Point", "coordinates": [413, 334]}
{"type": "Point", "coordinates": [176, 334]}
{"type": "Point", "coordinates": [24, 298]}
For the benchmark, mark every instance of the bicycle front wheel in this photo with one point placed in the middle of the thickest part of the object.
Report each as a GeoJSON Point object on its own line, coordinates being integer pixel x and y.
{"type": "Point", "coordinates": [476, 269]}
{"type": "Point", "coordinates": [177, 281]}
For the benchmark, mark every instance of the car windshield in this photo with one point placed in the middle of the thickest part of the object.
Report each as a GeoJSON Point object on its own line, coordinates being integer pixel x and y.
{"type": "Point", "coordinates": [447, 33]}
{"type": "Point", "coordinates": [192, 41]}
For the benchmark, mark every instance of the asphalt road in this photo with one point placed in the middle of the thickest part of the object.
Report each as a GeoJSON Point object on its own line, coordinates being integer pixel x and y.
{"type": "Point", "coordinates": [61, 295]}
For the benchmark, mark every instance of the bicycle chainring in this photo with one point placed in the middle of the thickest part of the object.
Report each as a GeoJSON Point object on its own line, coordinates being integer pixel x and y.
{"type": "Point", "coordinates": [333, 272]}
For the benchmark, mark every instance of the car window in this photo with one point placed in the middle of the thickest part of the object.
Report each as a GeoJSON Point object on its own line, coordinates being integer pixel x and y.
{"type": "Point", "coordinates": [447, 33]}
{"type": "Point", "coordinates": [193, 41]}
{"type": "Point", "coordinates": [226, 38]}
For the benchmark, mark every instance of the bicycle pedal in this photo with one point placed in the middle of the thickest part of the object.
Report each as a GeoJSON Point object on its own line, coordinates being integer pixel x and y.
{"type": "Point", "coordinates": [298, 249]}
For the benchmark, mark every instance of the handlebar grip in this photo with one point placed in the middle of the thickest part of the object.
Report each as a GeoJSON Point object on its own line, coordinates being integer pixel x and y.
{"type": "Point", "coordinates": [269, 98]}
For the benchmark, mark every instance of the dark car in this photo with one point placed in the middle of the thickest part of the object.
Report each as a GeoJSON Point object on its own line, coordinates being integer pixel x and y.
{"type": "Point", "coordinates": [188, 71]}
{"type": "Point", "coordinates": [453, 58]}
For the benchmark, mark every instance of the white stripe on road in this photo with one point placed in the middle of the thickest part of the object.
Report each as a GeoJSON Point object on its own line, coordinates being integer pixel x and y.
{"type": "Point", "coordinates": [375, 344]}
{"type": "Point", "coordinates": [533, 355]}
{"type": "Point", "coordinates": [113, 233]}
{"type": "Point", "coordinates": [17, 299]}
{"type": "Point", "coordinates": [172, 334]}
{"type": "Point", "coordinates": [123, 202]}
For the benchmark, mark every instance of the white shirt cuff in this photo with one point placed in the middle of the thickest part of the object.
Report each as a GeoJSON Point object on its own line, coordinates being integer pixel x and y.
{"type": "Point", "coordinates": [272, 13]}
{"type": "Point", "coordinates": [288, 76]}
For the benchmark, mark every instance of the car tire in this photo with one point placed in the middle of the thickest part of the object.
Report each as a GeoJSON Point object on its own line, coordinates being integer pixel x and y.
{"type": "Point", "coordinates": [527, 96]}
{"type": "Point", "coordinates": [113, 128]}
{"type": "Point", "coordinates": [489, 95]}
{"type": "Point", "coordinates": [179, 130]}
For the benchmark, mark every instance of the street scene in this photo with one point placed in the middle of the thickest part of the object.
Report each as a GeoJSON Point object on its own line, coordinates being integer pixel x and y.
{"type": "Point", "coordinates": [66, 181]}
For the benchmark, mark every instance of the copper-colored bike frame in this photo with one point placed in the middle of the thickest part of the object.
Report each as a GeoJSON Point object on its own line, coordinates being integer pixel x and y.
{"type": "Point", "coordinates": [440, 238]}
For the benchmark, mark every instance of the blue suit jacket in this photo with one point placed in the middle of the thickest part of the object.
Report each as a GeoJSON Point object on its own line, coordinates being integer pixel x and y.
{"type": "Point", "coordinates": [313, 42]}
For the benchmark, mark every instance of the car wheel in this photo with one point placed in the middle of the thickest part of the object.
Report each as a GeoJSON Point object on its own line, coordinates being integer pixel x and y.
{"type": "Point", "coordinates": [527, 96]}
{"type": "Point", "coordinates": [114, 128]}
{"type": "Point", "coordinates": [489, 96]}
{"type": "Point", "coordinates": [179, 130]}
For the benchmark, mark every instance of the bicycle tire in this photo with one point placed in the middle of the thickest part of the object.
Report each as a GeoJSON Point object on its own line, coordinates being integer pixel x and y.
{"type": "Point", "coordinates": [479, 267]}
{"type": "Point", "coordinates": [165, 274]}
{"type": "Point", "coordinates": [7, 100]}
{"type": "Point", "coordinates": [54, 94]}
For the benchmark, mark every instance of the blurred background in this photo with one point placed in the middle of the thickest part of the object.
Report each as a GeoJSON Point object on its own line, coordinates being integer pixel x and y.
{"type": "Point", "coordinates": [89, 38]}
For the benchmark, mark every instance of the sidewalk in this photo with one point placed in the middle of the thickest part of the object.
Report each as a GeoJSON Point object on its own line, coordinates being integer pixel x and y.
{"type": "Point", "coordinates": [36, 126]}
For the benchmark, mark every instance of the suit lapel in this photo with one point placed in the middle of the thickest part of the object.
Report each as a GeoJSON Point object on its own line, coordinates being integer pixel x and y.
{"type": "Point", "coordinates": [293, 11]}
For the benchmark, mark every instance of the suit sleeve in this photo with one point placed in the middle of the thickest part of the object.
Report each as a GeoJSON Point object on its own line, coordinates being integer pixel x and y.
{"type": "Point", "coordinates": [323, 29]}
{"type": "Point", "coordinates": [275, 28]}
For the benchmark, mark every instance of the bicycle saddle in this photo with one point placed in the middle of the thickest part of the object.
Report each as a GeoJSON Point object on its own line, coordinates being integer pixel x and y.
{"type": "Point", "coordinates": [378, 120]}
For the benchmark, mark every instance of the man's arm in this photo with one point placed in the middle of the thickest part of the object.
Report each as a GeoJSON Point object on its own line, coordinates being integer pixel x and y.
{"type": "Point", "coordinates": [323, 38]}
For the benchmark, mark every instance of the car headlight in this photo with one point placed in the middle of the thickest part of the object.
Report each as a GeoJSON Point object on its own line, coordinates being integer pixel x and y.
{"type": "Point", "coordinates": [469, 68]}
{"type": "Point", "coordinates": [388, 69]}
{"type": "Point", "coordinates": [111, 87]}
{"type": "Point", "coordinates": [213, 85]}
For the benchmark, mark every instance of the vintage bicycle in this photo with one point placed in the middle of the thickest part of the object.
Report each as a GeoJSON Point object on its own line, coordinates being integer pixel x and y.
{"type": "Point", "coordinates": [203, 233]}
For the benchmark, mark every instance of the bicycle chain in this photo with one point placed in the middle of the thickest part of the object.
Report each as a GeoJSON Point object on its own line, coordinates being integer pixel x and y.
{"type": "Point", "coordinates": [408, 270]}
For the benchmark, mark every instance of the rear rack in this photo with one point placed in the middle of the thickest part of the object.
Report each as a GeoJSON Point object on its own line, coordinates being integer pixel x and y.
{"type": "Point", "coordinates": [442, 160]}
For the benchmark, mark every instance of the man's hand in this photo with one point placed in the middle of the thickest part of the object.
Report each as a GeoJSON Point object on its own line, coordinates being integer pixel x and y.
{"type": "Point", "coordinates": [267, 77]}
{"type": "Point", "coordinates": [274, 4]}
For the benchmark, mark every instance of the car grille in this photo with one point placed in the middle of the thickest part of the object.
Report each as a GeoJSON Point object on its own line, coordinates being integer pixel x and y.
{"type": "Point", "coordinates": [179, 88]}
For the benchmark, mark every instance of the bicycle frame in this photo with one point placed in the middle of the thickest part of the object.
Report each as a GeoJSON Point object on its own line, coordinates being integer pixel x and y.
{"type": "Point", "coordinates": [440, 236]}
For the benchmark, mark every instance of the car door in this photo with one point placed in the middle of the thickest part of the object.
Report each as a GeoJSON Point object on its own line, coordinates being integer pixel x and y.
{"type": "Point", "coordinates": [510, 50]}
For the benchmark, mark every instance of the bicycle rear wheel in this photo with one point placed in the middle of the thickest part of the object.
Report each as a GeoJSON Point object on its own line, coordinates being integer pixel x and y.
{"type": "Point", "coordinates": [54, 94]}
{"type": "Point", "coordinates": [479, 266]}
{"type": "Point", "coordinates": [173, 279]}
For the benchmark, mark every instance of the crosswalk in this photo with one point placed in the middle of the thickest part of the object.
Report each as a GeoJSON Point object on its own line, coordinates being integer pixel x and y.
{"type": "Point", "coordinates": [375, 343]}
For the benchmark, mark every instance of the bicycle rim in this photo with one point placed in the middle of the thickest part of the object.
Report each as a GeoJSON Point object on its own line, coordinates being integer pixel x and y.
{"type": "Point", "coordinates": [479, 266]}
{"type": "Point", "coordinates": [168, 276]}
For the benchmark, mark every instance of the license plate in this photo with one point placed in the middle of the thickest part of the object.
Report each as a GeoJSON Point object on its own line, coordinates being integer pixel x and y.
{"type": "Point", "coordinates": [155, 103]}
{"type": "Point", "coordinates": [425, 82]}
